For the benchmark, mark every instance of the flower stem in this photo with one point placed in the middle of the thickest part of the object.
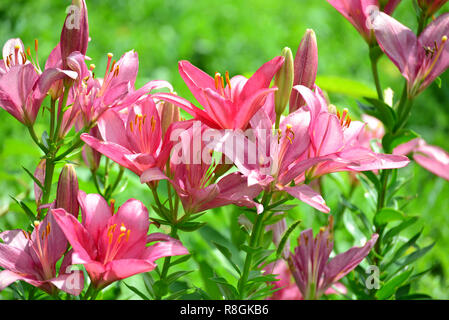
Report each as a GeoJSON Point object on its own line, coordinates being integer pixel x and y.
{"type": "Point", "coordinates": [253, 243]}
{"type": "Point", "coordinates": [374, 55]}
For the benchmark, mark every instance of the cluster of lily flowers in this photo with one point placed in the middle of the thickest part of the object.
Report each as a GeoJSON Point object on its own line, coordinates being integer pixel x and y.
{"type": "Point", "coordinates": [135, 128]}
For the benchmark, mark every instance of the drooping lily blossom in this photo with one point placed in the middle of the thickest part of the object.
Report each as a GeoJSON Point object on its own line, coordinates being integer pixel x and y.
{"type": "Point", "coordinates": [114, 246]}
{"type": "Point", "coordinates": [430, 7]}
{"type": "Point", "coordinates": [32, 258]}
{"type": "Point", "coordinates": [286, 286]}
{"type": "Point", "coordinates": [335, 144]}
{"type": "Point", "coordinates": [133, 142]}
{"type": "Point", "coordinates": [359, 13]}
{"type": "Point", "coordinates": [229, 106]}
{"type": "Point", "coordinates": [431, 158]}
{"type": "Point", "coordinates": [420, 59]}
{"type": "Point", "coordinates": [196, 176]}
{"type": "Point", "coordinates": [312, 270]}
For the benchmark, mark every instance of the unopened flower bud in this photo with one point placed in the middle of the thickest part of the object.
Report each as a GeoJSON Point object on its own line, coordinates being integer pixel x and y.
{"type": "Point", "coordinates": [75, 32]}
{"type": "Point", "coordinates": [39, 174]}
{"type": "Point", "coordinates": [92, 157]}
{"type": "Point", "coordinates": [305, 66]}
{"type": "Point", "coordinates": [283, 80]}
{"type": "Point", "coordinates": [430, 7]}
{"type": "Point", "coordinates": [67, 192]}
{"type": "Point", "coordinates": [169, 114]}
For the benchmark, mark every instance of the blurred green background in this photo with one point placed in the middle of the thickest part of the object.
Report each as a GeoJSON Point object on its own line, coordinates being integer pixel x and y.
{"type": "Point", "coordinates": [237, 36]}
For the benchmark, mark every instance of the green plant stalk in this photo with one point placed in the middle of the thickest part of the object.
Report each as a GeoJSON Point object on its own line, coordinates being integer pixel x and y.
{"type": "Point", "coordinates": [36, 139]}
{"type": "Point", "coordinates": [253, 242]}
{"type": "Point", "coordinates": [167, 260]}
{"type": "Point", "coordinates": [374, 59]}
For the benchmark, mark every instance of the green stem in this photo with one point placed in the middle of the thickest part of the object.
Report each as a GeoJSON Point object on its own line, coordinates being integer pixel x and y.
{"type": "Point", "coordinates": [36, 139]}
{"type": "Point", "coordinates": [253, 243]}
{"type": "Point", "coordinates": [278, 121]}
{"type": "Point", "coordinates": [167, 260]}
{"type": "Point", "coordinates": [52, 118]}
{"type": "Point", "coordinates": [374, 58]}
{"type": "Point", "coordinates": [116, 182]}
{"type": "Point", "coordinates": [61, 106]}
{"type": "Point", "coordinates": [49, 170]}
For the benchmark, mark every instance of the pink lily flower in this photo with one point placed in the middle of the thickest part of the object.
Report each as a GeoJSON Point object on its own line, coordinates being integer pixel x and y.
{"type": "Point", "coordinates": [13, 54]}
{"type": "Point", "coordinates": [431, 158]}
{"type": "Point", "coordinates": [114, 246]}
{"type": "Point", "coordinates": [199, 183]}
{"type": "Point", "coordinates": [358, 13]}
{"type": "Point", "coordinates": [335, 144]}
{"type": "Point", "coordinates": [310, 265]}
{"type": "Point", "coordinates": [225, 107]}
{"type": "Point", "coordinates": [267, 158]}
{"type": "Point", "coordinates": [134, 143]}
{"type": "Point", "coordinates": [420, 59]}
{"type": "Point", "coordinates": [116, 90]}
{"type": "Point", "coordinates": [287, 288]}
{"type": "Point", "coordinates": [32, 258]}
{"type": "Point", "coordinates": [22, 90]}
{"type": "Point", "coordinates": [23, 86]}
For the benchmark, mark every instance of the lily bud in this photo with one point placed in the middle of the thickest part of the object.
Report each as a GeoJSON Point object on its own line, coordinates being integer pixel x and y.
{"type": "Point", "coordinates": [305, 68]}
{"type": "Point", "coordinates": [39, 174]}
{"type": "Point", "coordinates": [388, 6]}
{"type": "Point", "coordinates": [67, 192]}
{"type": "Point", "coordinates": [91, 156]}
{"type": "Point", "coordinates": [430, 7]}
{"type": "Point", "coordinates": [169, 114]}
{"type": "Point", "coordinates": [75, 32]}
{"type": "Point", "coordinates": [283, 80]}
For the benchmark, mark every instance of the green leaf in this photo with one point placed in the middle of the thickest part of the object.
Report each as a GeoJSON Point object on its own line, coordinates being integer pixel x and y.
{"type": "Point", "coordinates": [398, 254]}
{"type": "Point", "coordinates": [275, 218]}
{"type": "Point", "coordinates": [396, 230]}
{"type": "Point", "coordinates": [387, 215]}
{"type": "Point", "coordinates": [346, 86]}
{"type": "Point", "coordinates": [191, 226]}
{"type": "Point", "coordinates": [176, 275]}
{"type": "Point", "coordinates": [285, 237]}
{"type": "Point", "coordinates": [391, 141]}
{"type": "Point", "coordinates": [180, 260]}
{"type": "Point", "coordinates": [25, 209]}
{"type": "Point", "coordinates": [226, 289]}
{"type": "Point", "coordinates": [34, 178]}
{"type": "Point", "coordinates": [389, 288]}
{"type": "Point", "coordinates": [44, 139]}
{"type": "Point", "coordinates": [227, 254]}
{"type": "Point", "coordinates": [412, 257]}
{"type": "Point", "coordinates": [384, 113]}
{"type": "Point", "coordinates": [136, 291]}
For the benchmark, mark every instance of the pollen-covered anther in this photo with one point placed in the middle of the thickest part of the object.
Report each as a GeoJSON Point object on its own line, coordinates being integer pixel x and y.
{"type": "Point", "coordinates": [218, 81]}
{"type": "Point", "coordinates": [228, 82]}
{"type": "Point", "coordinates": [153, 123]}
{"type": "Point", "coordinates": [344, 118]}
{"type": "Point", "coordinates": [116, 71]}
{"type": "Point", "coordinates": [288, 129]}
{"type": "Point", "coordinates": [92, 67]}
{"type": "Point", "coordinates": [36, 223]}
